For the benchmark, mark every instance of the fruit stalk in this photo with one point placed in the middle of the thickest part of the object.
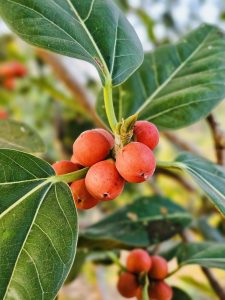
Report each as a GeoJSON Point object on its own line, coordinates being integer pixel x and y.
{"type": "Point", "coordinates": [70, 177]}
{"type": "Point", "coordinates": [110, 112]}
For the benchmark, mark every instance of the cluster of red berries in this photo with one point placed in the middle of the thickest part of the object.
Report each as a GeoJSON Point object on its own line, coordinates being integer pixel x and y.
{"type": "Point", "coordinates": [3, 114]}
{"type": "Point", "coordinates": [9, 72]}
{"type": "Point", "coordinates": [106, 178]}
{"type": "Point", "coordinates": [139, 263]}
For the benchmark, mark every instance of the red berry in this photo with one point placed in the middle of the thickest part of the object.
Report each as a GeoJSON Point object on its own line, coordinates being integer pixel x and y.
{"type": "Point", "coordinates": [19, 70]}
{"type": "Point", "coordinates": [139, 293]}
{"type": "Point", "coordinates": [127, 285]}
{"type": "Point", "coordinates": [74, 160]}
{"type": "Point", "coordinates": [138, 261]}
{"type": "Point", "coordinates": [107, 135]}
{"type": "Point", "coordinates": [159, 269]}
{"type": "Point", "coordinates": [9, 83]}
{"type": "Point", "coordinates": [103, 181]}
{"type": "Point", "coordinates": [3, 115]}
{"type": "Point", "coordinates": [160, 291]}
{"type": "Point", "coordinates": [65, 166]}
{"type": "Point", "coordinates": [91, 147]}
{"type": "Point", "coordinates": [12, 69]}
{"type": "Point", "coordinates": [146, 133]}
{"type": "Point", "coordinates": [81, 196]}
{"type": "Point", "coordinates": [135, 162]}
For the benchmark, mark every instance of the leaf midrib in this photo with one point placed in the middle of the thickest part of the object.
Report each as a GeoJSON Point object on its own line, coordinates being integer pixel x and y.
{"type": "Point", "coordinates": [107, 75]}
{"type": "Point", "coordinates": [206, 182]}
{"type": "Point", "coordinates": [147, 102]}
{"type": "Point", "coordinates": [155, 218]}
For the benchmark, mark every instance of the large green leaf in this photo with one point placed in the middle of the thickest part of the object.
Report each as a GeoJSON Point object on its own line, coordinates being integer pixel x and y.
{"type": "Point", "coordinates": [38, 228]}
{"type": "Point", "coordinates": [209, 255]}
{"type": "Point", "coordinates": [209, 176]}
{"type": "Point", "coordinates": [146, 221]}
{"type": "Point", "coordinates": [16, 135]}
{"type": "Point", "coordinates": [176, 85]}
{"type": "Point", "coordinates": [92, 30]}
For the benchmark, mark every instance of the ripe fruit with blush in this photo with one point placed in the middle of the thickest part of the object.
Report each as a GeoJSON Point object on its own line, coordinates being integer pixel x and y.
{"type": "Point", "coordinates": [65, 166]}
{"type": "Point", "coordinates": [159, 269]}
{"type": "Point", "coordinates": [103, 181]}
{"type": "Point", "coordinates": [138, 261]}
{"type": "Point", "coordinates": [82, 198]}
{"type": "Point", "coordinates": [146, 133]}
{"type": "Point", "coordinates": [135, 162]}
{"type": "Point", "coordinates": [160, 291]}
{"type": "Point", "coordinates": [127, 285]}
{"type": "Point", "coordinates": [91, 147]}
{"type": "Point", "coordinates": [107, 135]}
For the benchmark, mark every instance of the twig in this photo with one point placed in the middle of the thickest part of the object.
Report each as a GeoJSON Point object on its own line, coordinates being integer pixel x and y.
{"type": "Point", "coordinates": [181, 143]}
{"type": "Point", "coordinates": [209, 275]}
{"type": "Point", "coordinates": [214, 283]}
{"type": "Point", "coordinates": [219, 139]}
{"type": "Point", "coordinates": [79, 95]}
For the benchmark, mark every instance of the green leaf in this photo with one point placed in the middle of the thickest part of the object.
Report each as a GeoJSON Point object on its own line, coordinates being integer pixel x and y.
{"type": "Point", "coordinates": [179, 294]}
{"type": "Point", "coordinates": [209, 233]}
{"type": "Point", "coordinates": [176, 85]}
{"type": "Point", "coordinates": [93, 30]}
{"type": "Point", "coordinates": [38, 228]}
{"type": "Point", "coordinates": [17, 135]}
{"type": "Point", "coordinates": [146, 221]}
{"type": "Point", "coordinates": [209, 176]}
{"type": "Point", "coordinates": [209, 255]}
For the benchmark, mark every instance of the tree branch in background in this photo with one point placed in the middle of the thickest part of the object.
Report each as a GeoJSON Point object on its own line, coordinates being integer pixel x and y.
{"type": "Point", "coordinates": [180, 143]}
{"type": "Point", "coordinates": [177, 177]}
{"type": "Point", "coordinates": [79, 95]}
{"type": "Point", "coordinates": [214, 283]}
{"type": "Point", "coordinates": [219, 139]}
{"type": "Point", "coordinates": [220, 292]}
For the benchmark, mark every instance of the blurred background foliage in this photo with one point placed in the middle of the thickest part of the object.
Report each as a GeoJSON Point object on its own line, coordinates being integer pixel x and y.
{"type": "Point", "coordinates": [50, 99]}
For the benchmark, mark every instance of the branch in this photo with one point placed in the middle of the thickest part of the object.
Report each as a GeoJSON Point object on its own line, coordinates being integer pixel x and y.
{"type": "Point", "coordinates": [214, 283]}
{"type": "Point", "coordinates": [79, 94]}
{"type": "Point", "coordinates": [181, 143]}
{"type": "Point", "coordinates": [219, 139]}
{"type": "Point", "coordinates": [209, 275]}
{"type": "Point", "coordinates": [175, 176]}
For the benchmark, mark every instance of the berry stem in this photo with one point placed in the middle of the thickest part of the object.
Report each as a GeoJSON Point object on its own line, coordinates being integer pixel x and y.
{"type": "Point", "coordinates": [110, 112]}
{"type": "Point", "coordinates": [70, 177]}
{"type": "Point", "coordinates": [116, 260]}
{"type": "Point", "coordinates": [145, 289]}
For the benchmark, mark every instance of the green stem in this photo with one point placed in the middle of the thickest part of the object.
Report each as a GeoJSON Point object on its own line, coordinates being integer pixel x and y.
{"type": "Point", "coordinates": [116, 260]}
{"type": "Point", "coordinates": [70, 177]}
{"type": "Point", "coordinates": [145, 289]}
{"type": "Point", "coordinates": [108, 98]}
{"type": "Point", "coordinates": [173, 272]}
{"type": "Point", "coordinates": [170, 165]}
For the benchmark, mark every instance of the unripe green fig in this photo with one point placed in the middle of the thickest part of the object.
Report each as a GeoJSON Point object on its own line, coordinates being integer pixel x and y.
{"type": "Point", "coordinates": [127, 285]}
{"type": "Point", "coordinates": [138, 261]}
{"type": "Point", "coordinates": [91, 147]}
{"type": "Point", "coordinates": [146, 133]}
{"type": "Point", "coordinates": [135, 162]}
{"type": "Point", "coordinates": [103, 181]}
{"type": "Point", "coordinates": [82, 198]}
